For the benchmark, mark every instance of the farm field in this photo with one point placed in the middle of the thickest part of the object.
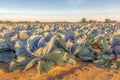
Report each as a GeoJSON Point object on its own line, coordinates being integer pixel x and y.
{"type": "Point", "coordinates": [59, 40]}
{"type": "Point", "coordinates": [60, 51]}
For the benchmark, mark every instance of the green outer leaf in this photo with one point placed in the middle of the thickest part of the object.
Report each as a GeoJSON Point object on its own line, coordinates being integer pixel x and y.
{"type": "Point", "coordinates": [87, 53]}
{"type": "Point", "coordinates": [13, 65]}
{"type": "Point", "coordinates": [20, 63]}
{"type": "Point", "coordinates": [57, 56]}
{"type": "Point", "coordinates": [31, 64]}
{"type": "Point", "coordinates": [77, 50]}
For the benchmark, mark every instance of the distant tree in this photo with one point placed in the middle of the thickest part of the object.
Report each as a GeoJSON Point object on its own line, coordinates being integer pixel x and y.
{"type": "Point", "coordinates": [83, 20]}
{"type": "Point", "coordinates": [90, 21]}
{"type": "Point", "coordinates": [107, 20]}
{"type": "Point", "coordinates": [37, 21]}
{"type": "Point", "coordinates": [8, 22]}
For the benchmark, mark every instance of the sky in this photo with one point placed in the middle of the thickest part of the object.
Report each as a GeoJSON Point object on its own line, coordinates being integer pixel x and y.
{"type": "Point", "coordinates": [59, 10]}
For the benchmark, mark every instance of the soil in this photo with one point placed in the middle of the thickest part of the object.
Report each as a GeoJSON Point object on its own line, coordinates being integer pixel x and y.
{"type": "Point", "coordinates": [81, 71]}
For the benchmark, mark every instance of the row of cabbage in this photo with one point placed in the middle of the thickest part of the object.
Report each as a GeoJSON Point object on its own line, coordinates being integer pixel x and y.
{"type": "Point", "coordinates": [46, 45]}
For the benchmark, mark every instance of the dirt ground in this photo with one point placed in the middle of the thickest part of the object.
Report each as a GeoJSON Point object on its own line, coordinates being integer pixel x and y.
{"type": "Point", "coordinates": [82, 71]}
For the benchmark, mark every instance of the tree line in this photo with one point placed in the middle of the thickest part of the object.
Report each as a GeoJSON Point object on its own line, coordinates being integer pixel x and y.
{"type": "Point", "coordinates": [83, 20]}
